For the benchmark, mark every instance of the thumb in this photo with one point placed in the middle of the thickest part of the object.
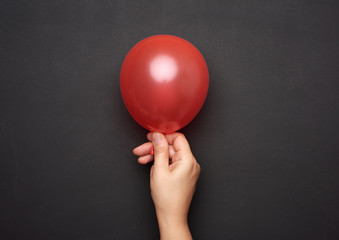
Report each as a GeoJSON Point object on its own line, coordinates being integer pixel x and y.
{"type": "Point", "coordinates": [160, 145]}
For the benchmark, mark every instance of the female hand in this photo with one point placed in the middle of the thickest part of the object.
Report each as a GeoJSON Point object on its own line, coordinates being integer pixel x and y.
{"type": "Point", "coordinates": [173, 179]}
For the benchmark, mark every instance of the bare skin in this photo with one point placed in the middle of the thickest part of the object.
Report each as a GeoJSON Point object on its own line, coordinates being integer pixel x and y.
{"type": "Point", "coordinates": [173, 178]}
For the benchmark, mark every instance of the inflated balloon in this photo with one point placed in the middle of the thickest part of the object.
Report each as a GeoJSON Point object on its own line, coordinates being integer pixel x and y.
{"type": "Point", "coordinates": [164, 82]}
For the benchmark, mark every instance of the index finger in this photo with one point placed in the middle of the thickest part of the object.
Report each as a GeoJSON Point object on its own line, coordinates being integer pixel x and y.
{"type": "Point", "coordinates": [178, 140]}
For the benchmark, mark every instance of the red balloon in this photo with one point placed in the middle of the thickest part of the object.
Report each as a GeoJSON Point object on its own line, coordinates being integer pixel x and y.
{"type": "Point", "coordinates": [164, 82]}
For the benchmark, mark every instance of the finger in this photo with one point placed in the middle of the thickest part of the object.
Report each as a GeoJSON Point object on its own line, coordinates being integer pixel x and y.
{"type": "Point", "coordinates": [145, 159]}
{"type": "Point", "coordinates": [149, 136]}
{"type": "Point", "coordinates": [143, 149]}
{"type": "Point", "coordinates": [179, 141]}
{"type": "Point", "coordinates": [161, 157]}
{"type": "Point", "coordinates": [171, 151]}
{"type": "Point", "coordinates": [170, 147]}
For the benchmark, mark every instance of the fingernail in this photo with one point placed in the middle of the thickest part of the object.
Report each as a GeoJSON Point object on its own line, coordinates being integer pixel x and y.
{"type": "Point", "coordinates": [157, 139]}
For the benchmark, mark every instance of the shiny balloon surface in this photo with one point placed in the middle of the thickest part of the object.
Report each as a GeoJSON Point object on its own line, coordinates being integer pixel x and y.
{"type": "Point", "coordinates": [164, 82]}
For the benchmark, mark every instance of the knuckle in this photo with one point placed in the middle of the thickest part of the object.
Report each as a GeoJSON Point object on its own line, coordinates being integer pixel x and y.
{"type": "Point", "coordinates": [181, 136]}
{"type": "Point", "coordinates": [160, 149]}
{"type": "Point", "coordinates": [198, 167]}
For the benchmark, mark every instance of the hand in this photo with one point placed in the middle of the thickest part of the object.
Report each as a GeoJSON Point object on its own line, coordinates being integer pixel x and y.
{"type": "Point", "coordinates": [174, 175]}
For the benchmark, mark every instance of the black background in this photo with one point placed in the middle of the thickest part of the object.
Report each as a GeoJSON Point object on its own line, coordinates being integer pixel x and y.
{"type": "Point", "coordinates": [266, 138]}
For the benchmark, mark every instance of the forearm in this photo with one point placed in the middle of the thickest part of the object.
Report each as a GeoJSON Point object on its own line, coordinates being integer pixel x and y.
{"type": "Point", "coordinates": [172, 229]}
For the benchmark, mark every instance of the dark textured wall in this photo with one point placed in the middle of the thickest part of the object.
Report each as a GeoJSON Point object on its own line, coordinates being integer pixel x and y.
{"type": "Point", "coordinates": [266, 138]}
